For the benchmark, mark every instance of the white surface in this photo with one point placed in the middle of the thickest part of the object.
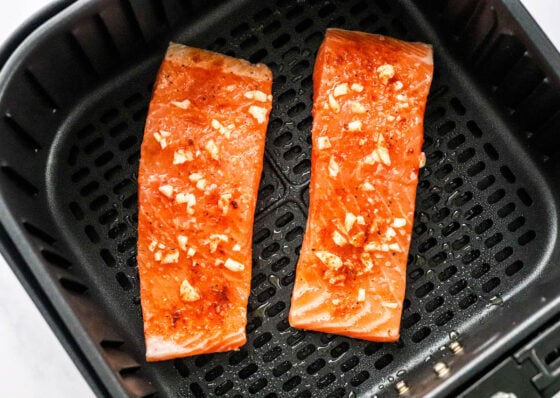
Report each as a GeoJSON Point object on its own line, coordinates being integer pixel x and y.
{"type": "Point", "coordinates": [32, 361]}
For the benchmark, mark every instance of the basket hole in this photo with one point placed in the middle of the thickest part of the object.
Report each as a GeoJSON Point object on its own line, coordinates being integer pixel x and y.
{"type": "Point", "coordinates": [474, 129]}
{"type": "Point", "coordinates": [19, 181]}
{"type": "Point", "coordinates": [457, 106]}
{"type": "Point", "coordinates": [107, 258]}
{"type": "Point", "coordinates": [76, 211]}
{"type": "Point", "coordinates": [493, 240]}
{"type": "Point", "coordinates": [294, 12]}
{"type": "Point", "coordinates": [415, 274]}
{"type": "Point", "coordinates": [223, 388]}
{"type": "Point", "coordinates": [503, 254]}
{"type": "Point", "coordinates": [291, 383]}
{"type": "Point", "coordinates": [444, 318]}
{"type": "Point", "coordinates": [326, 10]}
{"type": "Point", "coordinates": [214, 373]}
{"type": "Point", "coordinates": [258, 385]}
{"type": "Point", "coordinates": [340, 349]}
{"type": "Point", "coordinates": [491, 151]}
{"type": "Point", "coordinates": [237, 357]}
{"type": "Point", "coordinates": [118, 129]}
{"type": "Point", "coordinates": [506, 210]}
{"type": "Point", "coordinates": [486, 182]}
{"type": "Point", "coordinates": [446, 128]}
{"type": "Point", "coordinates": [253, 325]}
{"type": "Point", "coordinates": [108, 216]}
{"type": "Point", "coordinates": [258, 55]}
{"type": "Point", "coordinates": [80, 174]}
{"type": "Point", "coordinates": [281, 40]}
{"type": "Point", "coordinates": [368, 21]}
{"type": "Point", "coordinates": [456, 142]}
{"type": "Point", "coordinates": [296, 109]}
{"type": "Point", "coordinates": [408, 322]}
{"type": "Point", "coordinates": [85, 132]}
{"type": "Point", "coordinates": [490, 284]}
{"type": "Point", "coordinates": [39, 233]}
{"type": "Point", "coordinates": [471, 256]}
{"type": "Point", "coordinates": [128, 142]}
{"type": "Point", "coordinates": [92, 234]}
{"type": "Point", "coordinates": [294, 234]}
{"type": "Point", "coordinates": [435, 115]}
{"type": "Point", "coordinates": [467, 301]}
{"type": "Point", "coordinates": [437, 259]}
{"type": "Point", "coordinates": [109, 115]}
{"type": "Point", "coordinates": [249, 42]}
{"type": "Point", "coordinates": [89, 188]}
{"type": "Point", "coordinates": [476, 168]}
{"type": "Point", "coordinates": [450, 229]}
{"type": "Point", "coordinates": [441, 214]}
{"type": "Point", "coordinates": [507, 174]}
{"type": "Point", "coordinates": [305, 125]}
{"type": "Point", "coordinates": [295, 338]}
{"type": "Point", "coordinates": [458, 287]}
{"type": "Point", "coordinates": [461, 242]}
{"type": "Point", "coordinates": [302, 167]}
{"type": "Point", "coordinates": [304, 25]}
{"type": "Point", "coordinates": [473, 212]}
{"type": "Point", "coordinates": [300, 67]}
{"type": "Point", "coordinates": [269, 250]}
{"type": "Point", "coordinates": [326, 380]}
{"type": "Point", "coordinates": [292, 153]}
{"type": "Point", "coordinates": [112, 172]}
{"type": "Point", "coordinates": [480, 270]}
{"type": "Point", "coordinates": [73, 286]}
{"type": "Point", "coordinates": [288, 279]}
{"type": "Point", "coordinates": [305, 351]}
{"type": "Point", "coordinates": [281, 368]}
{"type": "Point", "coordinates": [262, 340]}
{"type": "Point", "coordinates": [514, 268]}
{"type": "Point", "coordinates": [131, 201]}
{"type": "Point", "coordinates": [280, 264]}
{"type": "Point", "coordinates": [266, 294]}
{"type": "Point", "coordinates": [359, 378]}
{"type": "Point", "coordinates": [239, 30]}
{"type": "Point", "coordinates": [56, 259]}
{"type": "Point", "coordinates": [447, 273]}
{"type": "Point", "coordinates": [275, 309]}
{"type": "Point", "coordinates": [316, 366]}
{"type": "Point", "coordinates": [423, 290]}
{"type": "Point", "coordinates": [181, 367]}
{"type": "Point", "coordinates": [427, 245]}
{"type": "Point", "coordinates": [526, 237]}
{"type": "Point", "coordinates": [496, 196]}
{"type": "Point", "coordinates": [483, 226]}
{"type": "Point", "coordinates": [98, 202]}
{"type": "Point", "coordinates": [443, 171]}
{"type": "Point", "coordinates": [524, 197]}
{"type": "Point", "coordinates": [421, 334]}
{"type": "Point", "coordinates": [466, 155]}
{"type": "Point", "coordinates": [286, 97]}
{"type": "Point", "coordinates": [453, 185]}
{"type": "Point", "coordinates": [123, 281]}
{"type": "Point", "coordinates": [434, 304]}
{"type": "Point", "coordinates": [430, 201]}
{"type": "Point", "coordinates": [73, 155]}
{"type": "Point", "coordinates": [516, 224]}
{"type": "Point", "coordinates": [462, 199]}
{"type": "Point", "coordinates": [262, 14]}
{"type": "Point", "coordinates": [94, 145]}
{"type": "Point", "coordinates": [272, 354]}
{"type": "Point", "coordinates": [197, 391]}
{"type": "Point", "coordinates": [314, 39]}
{"type": "Point", "coordinates": [349, 364]}
{"type": "Point", "coordinates": [420, 229]}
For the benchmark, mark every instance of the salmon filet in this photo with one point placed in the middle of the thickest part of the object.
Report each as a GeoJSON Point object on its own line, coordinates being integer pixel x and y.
{"type": "Point", "coordinates": [370, 94]}
{"type": "Point", "coordinates": [201, 161]}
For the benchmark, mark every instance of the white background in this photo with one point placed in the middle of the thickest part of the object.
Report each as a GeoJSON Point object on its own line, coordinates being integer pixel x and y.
{"type": "Point", "coordinates": [32, 361]}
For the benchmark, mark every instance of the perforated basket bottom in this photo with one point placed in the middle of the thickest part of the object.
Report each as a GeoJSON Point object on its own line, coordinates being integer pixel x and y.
{"type": "Point", "coordinates": [473, 229]}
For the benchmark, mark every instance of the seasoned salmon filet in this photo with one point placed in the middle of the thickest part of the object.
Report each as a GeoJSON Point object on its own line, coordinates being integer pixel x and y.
{"type": "Point", "coordinates": [201, 161]}
{"type": "Point", "coordinates": [370, 94]}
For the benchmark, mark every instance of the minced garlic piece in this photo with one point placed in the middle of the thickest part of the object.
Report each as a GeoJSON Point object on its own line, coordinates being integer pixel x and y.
{"type": "Point", "coordinates": [188, 292]}
{"type": "Point", "coordinates": [223, 202]}
{"type": "Point", "coordinates": [367, 261]}
{"type": "Point", "coordinates": [182, 240]}
{"type": "Point", "coordinates": [172, 257]}
{"type": "Point", "coordinates": [333, 104]}
{"type": "Point", "coordinates": [335, 301]}
{"type": "Point", "coordinates": [195, 177]}
{"type": "Point", "coordinates": [223, 130]}
{"type": "Point", "coordinates": [191, 252]}
{"type": "Point", "coordinates": [158, 255]}
{"type": "Point", "coordinates": [167, 190]}
{"type": "Point", "coordinates": [201, 184]}
{"type": "Point", "coordinates": [361, 220]}
{"type": "Point", "coordinates": [398, 85]}
{"type": "Point", "coordinates": [388, 304]}
{"type": "Point", "coordinates": [256, 95]}
{"type": "Point", "coordinates": [386, 72]}
{"type": "Point", "coordinates": [358, 239]}
{"type": "Point", "coordinates": [323, 142]}
{"type": "Point", "coordinates": [357, 107]}
{"type": "Point", "coordinates": [395, 247]}
{"type": "Point", "coordinates": [391, 118]}
{"type": "Point", "coordinates": [338, 239]}
{"type": "Point", "coordinates": [259, 113]}
{"type": "Point", "coordinates": [161, 138]}
{"type": "Point", "coordinates": [340, 89]}
{"type": "Point", "coordinates": [215, 239]}
{"type": "Point", "coordinates": [152, 246]}
{"type": "Point", "coordinates": [333, 167]}
{"type": "Point", "coordinates": [181, 156]}
{"type": "Point", "coordinates": [399, 222]}
{"type": "Point", "coordinates": [182, 104]}
{"type": "Point", "coordinates": [213, 150]}
{"type": "Point", "coordinates": [357, 87]}
{"type": "Point", "coordinates": [390, 233]}
{"type": "Point", "coordinates": [401, 97]}
{"type": "Point", "coordinates": [349, 220]}
{"type": "Point", "coordinates": [233, 265]}
{"type": "Point", "coordinates": [355, 125]}
{"type": "Point", "coordinates": [366, 186]}
{"type": "Point", "coordinates": [332, 261]}
{"type": "Point", "coordinates": [236, 248]}
{"type": "Point", "coordinates": [422, 160]}
{"type": "Point", "coordinates": [361, 295]}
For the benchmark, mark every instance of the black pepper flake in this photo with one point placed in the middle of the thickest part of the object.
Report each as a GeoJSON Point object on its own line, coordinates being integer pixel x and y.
{"type": "Point", "coordinates": [234, 204]}
{"type": "Point", "coordinates": [190, 141]}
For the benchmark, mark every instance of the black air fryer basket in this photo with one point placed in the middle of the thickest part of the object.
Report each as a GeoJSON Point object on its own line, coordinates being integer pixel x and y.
{"type": "Point", "coordinates": [483, 271]}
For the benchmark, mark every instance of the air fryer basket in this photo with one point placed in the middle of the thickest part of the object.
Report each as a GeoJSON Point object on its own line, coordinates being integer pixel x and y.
{"type": "Point", "coordinates": [483, 262]}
